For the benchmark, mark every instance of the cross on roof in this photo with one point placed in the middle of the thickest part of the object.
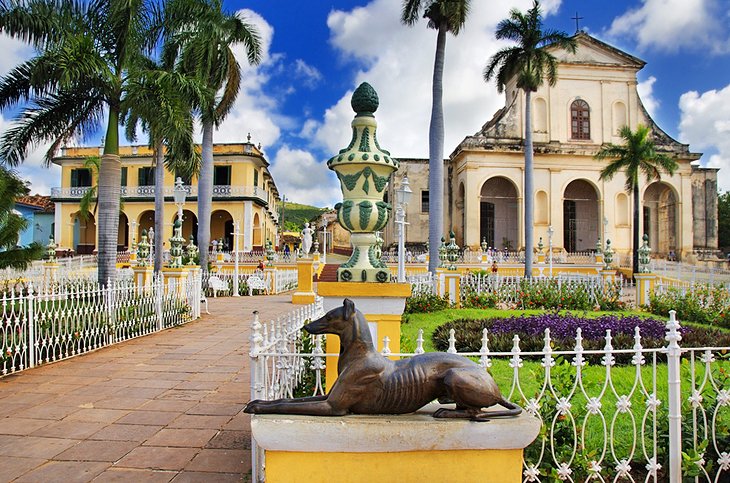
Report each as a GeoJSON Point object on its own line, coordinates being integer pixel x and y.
{"type": "Point", "coordinates": [577, 18]}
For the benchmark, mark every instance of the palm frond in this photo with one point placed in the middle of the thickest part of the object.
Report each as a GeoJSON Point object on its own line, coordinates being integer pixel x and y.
{"type": "Point", "coordinates": [411, 12]}
{"type": "Point", "coordinates": [55, 118]}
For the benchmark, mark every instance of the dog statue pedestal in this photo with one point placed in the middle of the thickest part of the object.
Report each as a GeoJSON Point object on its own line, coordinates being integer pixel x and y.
{"type": "Point", "coordinates": [382, 305]}
{"type": "Point", "coordinates": [406, 448]}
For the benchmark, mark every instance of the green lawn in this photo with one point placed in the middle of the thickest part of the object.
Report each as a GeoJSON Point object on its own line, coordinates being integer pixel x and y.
{"type": "Point", "coordinates": [618, 427]}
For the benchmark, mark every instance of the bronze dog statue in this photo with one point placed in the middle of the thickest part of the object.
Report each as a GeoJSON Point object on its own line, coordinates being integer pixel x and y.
{"type": "Point", "coordinates": [369, 383]}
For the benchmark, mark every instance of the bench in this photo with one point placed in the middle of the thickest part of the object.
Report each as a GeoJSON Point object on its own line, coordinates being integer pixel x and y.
{"type": "Point", "coordinates": [217, 285]}
{"type": "Point", "coordinates": [257, 283]}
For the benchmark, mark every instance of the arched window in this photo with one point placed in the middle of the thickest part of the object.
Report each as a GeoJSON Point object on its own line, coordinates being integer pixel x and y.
{"type": "Point", "coordinates": [580, 120]}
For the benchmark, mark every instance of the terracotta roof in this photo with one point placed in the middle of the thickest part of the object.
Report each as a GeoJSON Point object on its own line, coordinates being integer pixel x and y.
{"type": "Point", "coordinates": [39, 201]}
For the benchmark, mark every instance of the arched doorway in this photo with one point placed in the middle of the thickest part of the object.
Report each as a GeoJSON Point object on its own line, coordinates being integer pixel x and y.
{"type": "Point", "coordinates": [660, 218]}
{"type": "Point", "coordinates": [257, 244]}
{"type": "Point", "coordinates": [84, 233]}
{"type": "Point", "coordinates": [189, 226]}
{"type": "Point", "coordinates": [123, 233]}
{"type": "Point", "coordinates": [498, 214]}
{"type": "Point", "coordinates": [460, 216]}
{"type": "Point", "coordinates": [221, 227]}
{"type": "Point", "coordinates": [146, 221]}
{"type": "Point", "coordinates": [580, 216]}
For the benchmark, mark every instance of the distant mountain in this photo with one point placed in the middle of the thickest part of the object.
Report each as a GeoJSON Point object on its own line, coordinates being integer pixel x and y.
{"type": "Point", "coordinates": [295, 215]}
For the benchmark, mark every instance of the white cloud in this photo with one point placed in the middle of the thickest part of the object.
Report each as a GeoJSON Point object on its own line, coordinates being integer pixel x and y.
{"type": "Point", "coordinates": [304, 179]}
{"type": "Point", "coordinates": [398, 62]}
{"type": "Point", "coordinates": [12, 53]}
{"type": "Point", "coordinates": [704, 125]}
{"type": "Point", "coordinates": [254, 111]}
{"type": "Point", "coordinates": [646, 94]}
{"type": "Point", "coordinates": [673, 24]}
{"type": "Point", "coordinates": [40, 178]}
{"type": "Point", "coordinates": [309, 74]}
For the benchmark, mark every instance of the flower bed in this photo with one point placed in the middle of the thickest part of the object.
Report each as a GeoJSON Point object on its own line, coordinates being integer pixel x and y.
{"type": "Point", "coordinates": [563, 328]}
{"type": "Point", "coordinates": [703, 304]}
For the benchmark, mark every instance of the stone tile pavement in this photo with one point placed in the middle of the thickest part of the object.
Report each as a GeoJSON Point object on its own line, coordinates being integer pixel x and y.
{"type": "Point", "coordinates": [161, 408]}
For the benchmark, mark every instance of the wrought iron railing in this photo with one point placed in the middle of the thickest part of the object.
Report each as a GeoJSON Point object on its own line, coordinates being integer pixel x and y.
{"type": "Point", "coordinates": [602, 421]}
{"type": "Point", "coordinates": [68, 317]}
{"type": "Point", "coordinates": [219, 191]}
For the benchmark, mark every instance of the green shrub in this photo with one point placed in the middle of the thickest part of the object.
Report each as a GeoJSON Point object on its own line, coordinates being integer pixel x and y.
{"type": "Point", "coordinates": [484, 300]}
{"type": "Point", "coordinates": [425, 302]}
{"type": "Point", "coordinates": [705, 304]}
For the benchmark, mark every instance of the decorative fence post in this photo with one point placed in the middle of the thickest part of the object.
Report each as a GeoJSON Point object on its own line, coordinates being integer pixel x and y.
{"type": "Point", "coordinates": [31, 326]}
{"type": "Point", "coordinates": [110, 312]}
{"type": "Point", "coordinates": [257, 388]}
{"type": "Point", "coordinates": [159, 290]}
{"type": "Point", "coordinates": [675, 398]}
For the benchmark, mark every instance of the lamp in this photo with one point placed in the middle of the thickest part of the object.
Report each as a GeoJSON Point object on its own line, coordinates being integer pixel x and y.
{"type": "Point", "coordinates": [403, 194]}
{"type": "Point", "coordinates": [179, 193]}
{"type": "Point", "coordinates": [550, 232]}
{"type": "Point", "coordinates": [402, 197]}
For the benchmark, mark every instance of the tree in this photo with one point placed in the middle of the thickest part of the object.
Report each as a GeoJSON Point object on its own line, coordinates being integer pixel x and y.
{"type": "Point", "coordinates": [723, 220]}
{"type": "Point", "coordinates": [202, 48]}
{"type": "Point", "coordinates": [443, 16]}
{"type": "Point", "coordinates": [637, 155]}
{"type": "Point", "coordinates": [84, 53]}
{"type": "Point", "coordinates": [531, 63]}
{"type": "Point", "coordinates": [161, 102]}
{"type": "Point", "coordinates": [12, 223]}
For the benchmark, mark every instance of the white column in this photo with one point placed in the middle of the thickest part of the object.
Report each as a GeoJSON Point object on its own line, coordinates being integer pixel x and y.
{"type": "Point", "coordinates": [247, 226]}
{"type": "Point", "coordinates": [58, 225]}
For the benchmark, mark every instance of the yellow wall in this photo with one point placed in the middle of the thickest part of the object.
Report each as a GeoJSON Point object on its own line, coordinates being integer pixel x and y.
{"type": "Point", "coordinates": [243, 159]}
{"type": "Point", "coordinates": [483, 466]}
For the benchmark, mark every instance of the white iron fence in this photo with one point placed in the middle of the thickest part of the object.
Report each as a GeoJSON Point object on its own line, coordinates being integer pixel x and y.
{"type": "Point", "coordinates": [633, 414]}
{"type": "Point", "coordinates": [67, 318]}
{"type": "Point", "coordinates": [278, 281]}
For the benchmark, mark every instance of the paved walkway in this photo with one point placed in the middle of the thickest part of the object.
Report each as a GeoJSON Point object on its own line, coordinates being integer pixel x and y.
{"type": "Point", "coordinates": [165, 407]}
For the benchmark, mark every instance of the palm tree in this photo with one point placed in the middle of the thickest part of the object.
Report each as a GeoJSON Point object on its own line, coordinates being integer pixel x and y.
{"type": "Point", "coordinates": [85, 51]}
{"type": "Point", "coordinates": [532, 63]}
{"type": "Point", "coordinates": [637, 155]}
{"type": "Point", "coordinates": [202, 48]}
{"type": "Point", "coordinates": [11, 224]}
{"type": "Point", "coordinates": [161, 101]}
{"type": "Point", "coordinates": [443, 16]}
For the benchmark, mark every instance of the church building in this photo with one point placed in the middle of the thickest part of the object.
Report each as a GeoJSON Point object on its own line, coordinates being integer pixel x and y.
{"type": "Point", "coordinates": [594, 96]}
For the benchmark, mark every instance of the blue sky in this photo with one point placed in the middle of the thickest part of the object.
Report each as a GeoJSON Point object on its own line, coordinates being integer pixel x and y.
{"type": "Point", "coordinates": [296, 103]}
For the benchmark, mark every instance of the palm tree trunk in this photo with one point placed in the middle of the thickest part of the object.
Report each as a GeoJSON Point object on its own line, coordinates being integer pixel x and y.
{"type": "Point", "coordinates": [436, 155]}
{"type": "Point", "coordinates": [528, 195]}
{"type": "Point", "coordinates": [205, 193]}
{"type": "Point", "coordinates": [159, 204]}
{"type": "Point", "coordinates": [635, 246]}
{"type": "Point", "coordinates": [109, 194]}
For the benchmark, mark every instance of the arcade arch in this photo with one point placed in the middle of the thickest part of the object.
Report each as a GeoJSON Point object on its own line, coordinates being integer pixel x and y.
{"type": "Point", "coordinates": [498, 213]}
{"type": "Point", "coordinates": [580, 216]}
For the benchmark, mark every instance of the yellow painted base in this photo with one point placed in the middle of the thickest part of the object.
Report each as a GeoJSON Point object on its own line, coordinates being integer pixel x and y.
{"type": "Point", "coordinates": [467, 466]}
{"type": "Point", "coordinates": [361, 289]}
{"type": "Point", "coordinates": [301, 298]}
{"type": "Point", "coordinates": [388, 325]}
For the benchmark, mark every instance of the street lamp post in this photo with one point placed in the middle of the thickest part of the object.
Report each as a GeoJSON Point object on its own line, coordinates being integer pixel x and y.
{"type": "Point", "coordinates": [550, 232]}
{"type": "Point", "coordinates": [179, 193]}
{"type": "Point", "coordinates": [402, 197]}
{"type": "Point", "coordinates": [236, 232]}
{"type": "Point", "coordinates": [324, 240]}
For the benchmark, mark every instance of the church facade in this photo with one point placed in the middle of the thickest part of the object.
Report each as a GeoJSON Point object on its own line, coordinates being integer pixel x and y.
{"type": "Point", "coordinates": [594, 96]}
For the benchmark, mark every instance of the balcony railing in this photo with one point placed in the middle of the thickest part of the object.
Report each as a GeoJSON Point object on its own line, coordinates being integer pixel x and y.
{"type": "Point", "coordinates": [219, 191]}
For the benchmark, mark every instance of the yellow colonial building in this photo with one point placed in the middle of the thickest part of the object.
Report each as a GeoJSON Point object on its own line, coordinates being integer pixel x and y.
{"type": "Point", "coordinates": [244, 192]}
{"type": "Point", "coordinates": [596, 93]}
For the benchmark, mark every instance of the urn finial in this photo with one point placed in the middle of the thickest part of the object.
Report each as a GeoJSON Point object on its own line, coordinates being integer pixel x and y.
{"type": "Point", "coordinates": [364, 100]}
